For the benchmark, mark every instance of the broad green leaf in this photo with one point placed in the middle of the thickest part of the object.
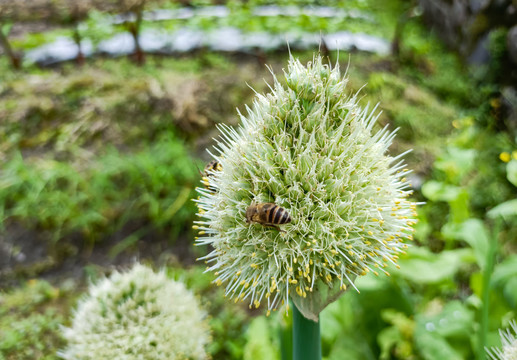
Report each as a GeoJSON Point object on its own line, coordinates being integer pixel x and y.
{"type": "Point", "coordinates": [259, 345]}
{"type": "Point", "coordinates": [451, 231]}
{"type": "Point", "coordinates": [505, 210]}
{"type": "Point", "coordinates": [505, 270]}
{"type": "Point", "coordinates": [423, 266]}
{"type": "Point", "coordinates": [350, 348]}
{"type": "Point", "coordinates": [398, 338]}
{"type": "Point", "coordinates": [456, 163]}
{"type": "Point", "coordinates": [474, 232]}
{"type": "Point", "coordinates": [439, 191]}
{"type": "Point", "coordinates": [511, 172]}
{"type": "Point", "coordinates": [505, 278]}
{"type": "Point", "coordinates": [387, 339]}
{"type": "Point", "coordinates": [510, 292]}
{"type": "Point", "coordinates": [339, 331]}
{"type": "Point", "coordinates": [336, 318]}
{"type": "Point", "coordinates": [503, 290]}
{"type": "Point", "coordinates": [476, 284]}
{"type": "Point", "coordinates": [460, 207]}
{"type": "Point", "coordinates": [356, 320]}
{"type": "Point", "coordinates": [422, 228]}
{"type": "Point", "coordinates": [454, 320]}
{"type": "Point", "coordinates": [432, 346]}
{"type": "Point", "coordinates": [400, 320]}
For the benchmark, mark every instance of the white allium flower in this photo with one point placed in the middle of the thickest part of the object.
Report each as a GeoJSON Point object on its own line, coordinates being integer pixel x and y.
{"type": "Point", "coordinates": [509, 341]}
{"type": "Point", "coordinates": [309, 148]}
{"type": "Point", "coordinates": [137, 315]}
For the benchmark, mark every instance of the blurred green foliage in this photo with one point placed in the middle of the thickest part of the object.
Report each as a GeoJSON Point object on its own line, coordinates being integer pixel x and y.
{"type": "Point", "coordinates": [154, 185]}
{"type": "Point", "coordinates": [30, 317]}
{"type": "Point", "coordinates": [97, 25]}
{"type": "Point", "coordinates": [228, 321]}
{"type": "Point", "coordinates": [86, 151]}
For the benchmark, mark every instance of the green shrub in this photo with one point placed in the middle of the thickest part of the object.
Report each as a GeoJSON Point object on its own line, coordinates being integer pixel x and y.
{"type": "Point", "coordinates": [30, 317]}
{"type": "Point", "coordinates": [152, 185]}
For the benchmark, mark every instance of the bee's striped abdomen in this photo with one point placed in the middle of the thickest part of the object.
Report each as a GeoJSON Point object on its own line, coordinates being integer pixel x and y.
{"type": "Point", "coordinates": [267, 214]}
{"type": "Point", "coordinates": [278, 215]}
{"type": "Point", "coordinates": [285, 217]}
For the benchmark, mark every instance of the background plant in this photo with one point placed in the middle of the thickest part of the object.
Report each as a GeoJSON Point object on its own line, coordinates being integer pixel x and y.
{"type": "Point", "coordinates": [71, 120]}
{"type": "Point", "coordinates": [137, 314]}
{"type": "Point", "coordinates": [152, 186]}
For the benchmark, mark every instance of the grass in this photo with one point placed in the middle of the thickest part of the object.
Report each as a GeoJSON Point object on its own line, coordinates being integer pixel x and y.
{"type": "Point", "coordinates": [30, 317]}
{"type": "Point", "coordinates": [154, 185]}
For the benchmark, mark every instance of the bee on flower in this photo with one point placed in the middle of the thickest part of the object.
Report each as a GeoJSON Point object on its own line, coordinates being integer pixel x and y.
{"type": "Point", "coordinates": [309, 149]}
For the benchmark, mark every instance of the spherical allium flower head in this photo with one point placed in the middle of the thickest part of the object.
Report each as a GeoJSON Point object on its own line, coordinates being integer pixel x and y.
{"type": "Point", "coordinates": [509, 341]}
{"type": "Point", "coordinates": [309, 148]}
{"type": "Point", "coordinates": [137, 315]}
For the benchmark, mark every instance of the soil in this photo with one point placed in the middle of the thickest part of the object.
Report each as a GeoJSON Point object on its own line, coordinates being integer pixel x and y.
{"type": "Point", "coordinates": [25, 254]}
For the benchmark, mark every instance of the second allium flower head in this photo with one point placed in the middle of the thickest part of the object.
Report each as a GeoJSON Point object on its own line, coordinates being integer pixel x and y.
{"type": "Point", "coordinates": [138, 314]}
{"type": "Point", "coordinates": [307, 147]}
{"type": "Point", "coordinates": [509, 342]}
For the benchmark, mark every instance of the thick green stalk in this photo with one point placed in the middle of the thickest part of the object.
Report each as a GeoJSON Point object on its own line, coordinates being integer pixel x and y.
{"type": "Point", "coordinates": [306, 337]}
{"type": "Point", "coordinates": [285, 331]}
{"type": "Point", "coordinates": [487, 275]}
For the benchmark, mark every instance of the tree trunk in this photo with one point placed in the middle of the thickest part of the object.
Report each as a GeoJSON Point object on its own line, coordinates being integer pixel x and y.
{"type": "Point", "coordinates": [77, 39]}
{"type": "Point", "coordinates": [134, 29]}
{"type": "Point", "coordinates": [15, 58]}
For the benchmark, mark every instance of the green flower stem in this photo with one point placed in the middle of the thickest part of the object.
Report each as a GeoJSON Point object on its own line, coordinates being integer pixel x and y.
{"type": "Point", "coordinates": [306, 337]}
{"type": "Point", "coordinates": [285, 331]}
{"type": "Point", "coordinates": [487, 275]}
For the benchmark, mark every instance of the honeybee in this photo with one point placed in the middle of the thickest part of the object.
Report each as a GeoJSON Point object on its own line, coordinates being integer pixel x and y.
{"type": "Point", "coordinates": [267, 214]}
{"type": "Point", "coordinates": [213, 165]}
{"type": "Point", "coordinates": [208, 171]}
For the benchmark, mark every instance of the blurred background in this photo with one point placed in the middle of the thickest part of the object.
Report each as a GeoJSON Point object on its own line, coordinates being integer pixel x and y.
{"type": "Point", "coordinates": [107, 107]}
